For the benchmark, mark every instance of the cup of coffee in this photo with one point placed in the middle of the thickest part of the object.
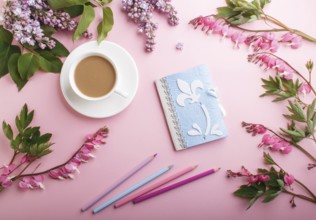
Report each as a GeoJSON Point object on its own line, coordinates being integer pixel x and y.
{"type": "Point", "coordinates": [94, 77]}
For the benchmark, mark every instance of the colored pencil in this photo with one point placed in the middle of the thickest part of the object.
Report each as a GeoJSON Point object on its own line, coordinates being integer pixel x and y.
{"type": "Point", "coordinates": [119, 182]}
{"type": "Point", "coordinates": [152, 187]}
{"type": "Point", "coordinates": [133, 188]}
{"type": "Point", "coordinates": [173, 186]}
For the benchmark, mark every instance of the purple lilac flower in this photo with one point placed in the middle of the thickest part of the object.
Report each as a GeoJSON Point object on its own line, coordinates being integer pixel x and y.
{"type": "Point", "coordinates": [25, 17]}
{"type": "Point", "coordinates": [140, 11]}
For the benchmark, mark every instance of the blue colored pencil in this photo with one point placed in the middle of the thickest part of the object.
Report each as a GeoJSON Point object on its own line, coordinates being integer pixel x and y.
{"type": "Point", "coordinates": [119, 182]}
{"type": "Point", "coordinates": [133, 188]}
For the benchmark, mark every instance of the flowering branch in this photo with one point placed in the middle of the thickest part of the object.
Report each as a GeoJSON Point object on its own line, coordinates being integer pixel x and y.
{"type": "Point", "coordinates": [239, 12]}
{"type": "Point", "coordinates": [33, 146]}
{"type": "Point", "coordinates": [269, 184]}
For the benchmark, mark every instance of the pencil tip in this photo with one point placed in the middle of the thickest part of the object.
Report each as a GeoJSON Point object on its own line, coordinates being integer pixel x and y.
{"type": "Point", "coordinates": [195, 166]}
{"type": "Point", "coordinates": [154, 155]}
{"type": "Point", "coordinates": [170, 166]}
{"type": "Point", "coordinates": [217, 169]}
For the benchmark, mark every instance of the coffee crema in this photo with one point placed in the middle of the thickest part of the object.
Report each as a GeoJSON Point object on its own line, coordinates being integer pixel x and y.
{"type": "Point", "coordinates": [95, 76]}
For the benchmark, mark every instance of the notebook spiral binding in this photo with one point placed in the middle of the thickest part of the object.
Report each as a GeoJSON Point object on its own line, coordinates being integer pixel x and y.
{"type": "Point", "coordinates": [173, 114]}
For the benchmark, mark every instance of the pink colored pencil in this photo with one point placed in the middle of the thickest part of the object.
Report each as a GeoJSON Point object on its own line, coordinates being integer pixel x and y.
{"type": "Point", "coordinates": [173, 186]}
{"type": "Point", "coordinates": [154, 186]}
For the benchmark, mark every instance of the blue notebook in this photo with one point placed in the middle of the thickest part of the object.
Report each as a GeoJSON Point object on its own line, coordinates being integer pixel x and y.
{"type": "Point", "coordinates": [191, 107]}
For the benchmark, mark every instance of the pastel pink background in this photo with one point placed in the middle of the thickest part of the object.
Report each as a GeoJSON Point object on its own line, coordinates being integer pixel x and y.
{"type": "Point", "coordinates": [141, 130]}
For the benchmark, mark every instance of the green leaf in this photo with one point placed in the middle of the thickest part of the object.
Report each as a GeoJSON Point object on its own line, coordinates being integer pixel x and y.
{"type": "Point", "coordinates": [58, 4]}
{"type": "Point", "coordinates": [105, 26]}
{"type": "Point", "coordinates": [74, 10]}
{"type": "Point", "coordinates": [7, 130]}
{"type": "Point", "coordinates": [271, 194]}
{"type": "Point", "coordinates": [29, 118]}
{"type": "Point", "coordinates": [310, 110]}
{"type": "Point", "coordinates": [16, 142]}
{"type": "Point", "coordinates": [225, 12]}
{"type": "Point", "coordinates": [296, 134]}
{"type": "Point", "coordinates": [23, 116]}
{"type": "Point", "coordinates": [59, 49]}
{"type": "Point", "coordinates": [49, 63]}
{"type": "Point", "coordinates": [104, 2]}
{"type": "Point", "coordinates": [44, 138]}
{"type": "Point", "coordinates": [27, 65]}
{"type": "Point", "coordinates": [268, 159]}
{"type": "Point", "coordinates": [6, 51]}
{"type": "Point", "coordinates": [246, 191]}
{"type": "Point", "coordinates": [48, 30]}
{"type": "Point", "coordinates": [5, 35]}
{"type": "Point", "coordinates": [85, 20]}
{"type": "Point", "coordinates": [14, 73]}
{"type": "Point", "coordinates": [18, 124]}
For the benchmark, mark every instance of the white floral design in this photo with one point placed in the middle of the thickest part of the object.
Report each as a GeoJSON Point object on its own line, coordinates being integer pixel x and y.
{"type": "Point", "coordinates": [188, 91]}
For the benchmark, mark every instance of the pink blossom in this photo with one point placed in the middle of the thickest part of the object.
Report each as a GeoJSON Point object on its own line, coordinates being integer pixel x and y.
{"type": "Point", "coordinates": [304, 88]}
{"type": "Point", "coordinates": [8, 169]}
{"type": "Point", "coordinates": [238, 38]}
{"type": "Point", "coordinates": [286, 149]}
{"type": "Point", "coordinates": [289, 179]}
{"type": "Point", "coordinates": [267, 139]}
{"type": "Point", "coordinates": [5, 181]}
{"type": "Point", "coordinates": [293, 40]}
{"type": "Point", "coordinates": [32, 182]}
{"type": "Point", "coordinates": [263, 178]}
{"type": "Point", "coordinates": [252, 179]}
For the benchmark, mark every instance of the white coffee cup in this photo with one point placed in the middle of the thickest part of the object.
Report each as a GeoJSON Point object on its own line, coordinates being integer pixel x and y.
{"type": "Point", "coordinates": [115, 87]}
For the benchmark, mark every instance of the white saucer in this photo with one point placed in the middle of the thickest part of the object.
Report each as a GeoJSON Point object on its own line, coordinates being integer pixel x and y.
{"type": "Point", "coordinates": [113, 104]}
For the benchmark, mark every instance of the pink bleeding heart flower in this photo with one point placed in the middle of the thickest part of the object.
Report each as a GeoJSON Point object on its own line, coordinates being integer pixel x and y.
{"type": "Point", "coordinates": [296, 42]}
{"type": "Point", "coordinates": [267, 139]}
{"type": "Point", "coordinates": [57, 174]}
{"type": "Point", "coordinates": [286, 149]}
{"type": "Point", "coordinates": [288, 179]}
{"type": "Point", "coordinates": [72, 166]}
{"type": "Point", "coordinates": [8, 169]}
{"type": "Point", "coordinates": [263, 178]}
{"type": "Point", "coordinates": [32, 182]}
{"type": "Point", "coordinates": [253, 179]}
{"type": "Point", "coordinates": [5, 181]}
{"type": "Point", "coordinates": [238, 38]}
{"type": "Point", "coordinates": [304, 88]}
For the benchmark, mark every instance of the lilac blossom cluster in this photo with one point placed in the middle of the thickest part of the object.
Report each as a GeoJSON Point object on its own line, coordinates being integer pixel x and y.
{"type": "Point", "coordinates": [266, 41]}
{"type": "Point", "coordinates": [141, 12]}
{"type": "Point", "coordinates": [25, 17]}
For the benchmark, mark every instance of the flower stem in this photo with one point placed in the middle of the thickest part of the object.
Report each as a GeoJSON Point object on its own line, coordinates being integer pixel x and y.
{"type": "Point", "coordinates": [48, 170]}
{"type": "Point", "coordinates": [300, 196]}
{"type": "Point", "coordinates": [307, 189]}
{"type": "Point", "coordinates": [13, 157]}
{"type": "Point", "coordinates": [280, 24]}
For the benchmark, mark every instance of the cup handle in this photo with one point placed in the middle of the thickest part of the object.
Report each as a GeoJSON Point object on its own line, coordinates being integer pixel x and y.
{"type": "Point", "coordinates": [121, 93]}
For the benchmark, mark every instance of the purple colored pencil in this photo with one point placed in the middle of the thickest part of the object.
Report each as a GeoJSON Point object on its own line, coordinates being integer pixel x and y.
{"type": "Point", "coordinates": [119, 182]}
{"type": "Point", "coordinates": [175, 185]}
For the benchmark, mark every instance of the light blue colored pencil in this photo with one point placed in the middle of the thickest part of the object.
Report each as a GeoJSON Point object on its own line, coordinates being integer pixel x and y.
{"type": "Point", "coordinates": [133, 188]}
